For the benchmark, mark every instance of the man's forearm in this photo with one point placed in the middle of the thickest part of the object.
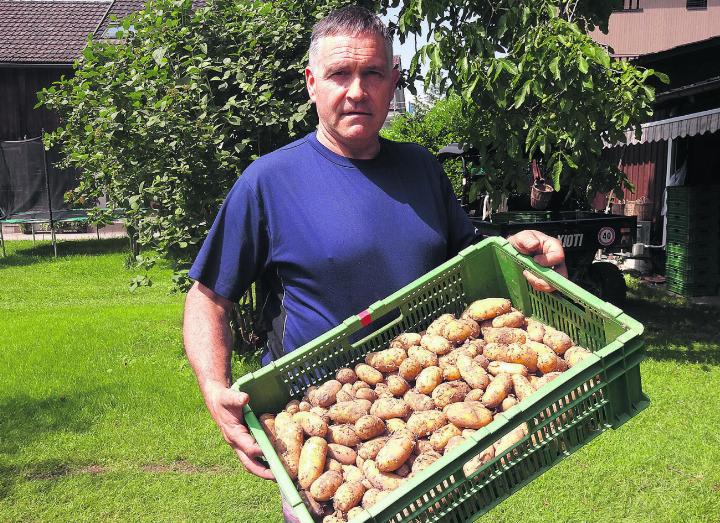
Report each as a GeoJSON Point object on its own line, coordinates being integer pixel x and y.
{"type": "Point", "coordinates": [207, 336]}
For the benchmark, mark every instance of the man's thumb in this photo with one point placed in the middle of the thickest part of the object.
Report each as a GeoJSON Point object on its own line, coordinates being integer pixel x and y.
{"type": "Point", "coordinates": [236, 399]}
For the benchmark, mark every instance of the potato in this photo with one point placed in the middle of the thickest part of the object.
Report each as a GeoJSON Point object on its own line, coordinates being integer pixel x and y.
{"type": "Point", "coordinates": [343, 435]}
{"type": "Point", "coordinates": [502, 367]}
{"type": "Point", "coordinates": [425, 423]}
{"type": "Point", "coordinates": [473, 347]}
{"type": "Point", "coordinates": [311, 423]}
{"type": "Point", "coordinates": [332, 464]}
{"type": "Point", "coordinates": [418, 402]}
{"type": "Point", "coordinates": [348, 411]}
{"type": "Point", "coordinates": [436, 343]}
{"type": "Point", "coordinates": [397, 385]}
{"type": "Point", "coordinates": [267, 422]}
{"type": "Point", "coordinates": [441, 436]}
{"type": "Point", "coordinates": [366, 394]}
{"type": "Point", "coordinates": [482, 360]}
{"type": "Point", "coordinates": [510, 439]}
{"type": "Point", "coordinates": [289, 445]}
{"type": "Point", "coordinates": [334, 518]}
{"type": "Point", "coordinates": [547, 359]}
{"type": "Point", "coordinates": [428, 379]}
{"type": "Point", "coordinates": [497, 391]}
{"type": "Point", "coordinates": [370, 449]}
{"type": "Point", "coordinates": [312, 461]}
{"type": "Point", "coordinates": [386, 408]}
{"type": "Point", "coordinates": [535, 330]}
{"type": "Point", "coordinates": [370, 497]}
{"type": "Point", "coordinates": [487, 309]}
{"type": "Point", "coordinates": [472, 372]}
{"type": "Point", "coordinates": [478, 461]}
{"type": "Point", "coordinates": [423, 356]}
{"type": "Point", "coordinates": [474, 395]}
{"type": "Point", "coordinates": [495, 352]}
{"type": "Point", "coordinates": [344, 395]}
{"type": "Point", "coordinates": [346, 375]}
{"type": "Point", "coordinates": [348, 495]}
{"type": "Point", "coordinates": [394, 424]}
{"type": "Point", "coordinates": [453, 442]}
{"type": "Point", "coordinates": [547, 378]}
{"type": "Point", "coordinates": [382, 390]}
{"type": "Point", "coordinates": [522, 386]}
{"type": "Point", "coordinates": [556, 340]}
{"type": "Point", "coordinates": [395, 452]}
{"type": "Point", "coordinates": [450, 392]}
{"type": "Point", "coordinates": [509, 319]}
{"type": "Point", "coordinates": [368, 374]}
{"type": "Point", "coordinates": [308, 391]}
{"type": "Point", "coordinates": [468, 414]}
{"type": "Point", "coordinates": [342, 454]}
{"type": "Point", "coordinates": [508, 403]}
{"type": "Point", "coordinates": [369, 426]}
{"type": "Point", "coordinates": [457, 331]}
{"type": "Point", "coordinates": [304, 406]}
{"type": "Point", "coordinates": [313, 506]}
{"type": "Point", "coordinates": [436, 326]}
{"type": "Point", "coordinates": [359, 385]}
{"type": "Point", "coordinates": [503, 336]}
{"type": "Point", "coordinates": [322, 412]}
{"type": "Point", "coordinates": [282, 419]}
{"type": "Point", "coordinates": [355, 512]}
{"type": "Point", "coordinates": [406, 340]}
{"type": "Point", "coordinates": [352, 473]}
{"type": "Point", "coordinates": [575, 355]}
{"type": "Point", "coordinates": [324, 395]}
{"type": "Point", "coordinates": [379, 479]}
{"type": "Point", "coordinates": [514, 353]}
{"type": "Point", "coordinates": [451, 373]}
{"type": "Point", "coordinates": [409, 369]}
{"type": "Point", "coordinates": [293, 406]}
{"type": "Point", "coordinates": [387, 360]}
{"type": "Point", "coordinates": [424, 460]}
{"type": "Point", "coordinates": [467, 433]}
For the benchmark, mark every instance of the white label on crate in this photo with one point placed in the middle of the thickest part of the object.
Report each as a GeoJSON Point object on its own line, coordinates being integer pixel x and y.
{"type": "Point", "coordinates": [606, 236]}
{"type": "Point", "coordinates": [571, 240]}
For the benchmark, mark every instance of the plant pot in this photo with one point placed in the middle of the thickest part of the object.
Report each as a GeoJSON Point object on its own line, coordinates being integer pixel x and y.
{"type": "Point", "coordinates": [617, 208]}
{"type": "Point", "coordinates": [540, 196]}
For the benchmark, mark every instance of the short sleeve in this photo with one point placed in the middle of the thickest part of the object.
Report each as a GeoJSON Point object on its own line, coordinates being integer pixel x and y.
{"type": "Point", "coordinates": [236, 250]}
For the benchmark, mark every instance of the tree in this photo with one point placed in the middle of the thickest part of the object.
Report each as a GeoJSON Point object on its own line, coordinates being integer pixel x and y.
{"type": "Point", "coordinates": [164, 121]}
{"type": "Point", "coordinates": [533, 85]}
{"type": "Point", "coordinates": [433, 126]}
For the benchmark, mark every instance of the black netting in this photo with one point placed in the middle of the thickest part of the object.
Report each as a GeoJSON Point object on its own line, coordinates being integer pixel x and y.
{"type": "Point", "coordinates": [23, 188]}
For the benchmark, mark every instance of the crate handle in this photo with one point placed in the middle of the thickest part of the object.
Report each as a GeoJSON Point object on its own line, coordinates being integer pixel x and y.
{"type": "Point", "coordinates": [366, 318]}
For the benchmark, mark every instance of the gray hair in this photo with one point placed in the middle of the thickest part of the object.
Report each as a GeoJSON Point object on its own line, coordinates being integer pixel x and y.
{"type": "Point", "coordinates": [351, 20]}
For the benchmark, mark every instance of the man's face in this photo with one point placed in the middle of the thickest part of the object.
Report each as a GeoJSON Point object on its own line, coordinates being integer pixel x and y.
{"type": "Point", "coordinates": [351, 84]}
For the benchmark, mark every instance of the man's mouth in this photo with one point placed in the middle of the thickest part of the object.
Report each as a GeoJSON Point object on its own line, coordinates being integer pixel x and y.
{"type": "Point", "coordinates": [356, 113]}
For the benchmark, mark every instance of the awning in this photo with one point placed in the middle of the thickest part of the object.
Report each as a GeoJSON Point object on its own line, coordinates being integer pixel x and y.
{"type": "Point", "coordinates": [678, 127]}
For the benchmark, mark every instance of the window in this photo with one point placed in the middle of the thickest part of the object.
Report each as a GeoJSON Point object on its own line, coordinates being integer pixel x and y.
{"type": "Point", "coordinates": [631, 5]}
{"type": "Point", "coordinates": [696, 4]}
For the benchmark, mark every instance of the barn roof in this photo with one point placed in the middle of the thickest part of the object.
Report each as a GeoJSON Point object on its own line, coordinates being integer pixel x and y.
{"type": "Point", "coordinates": [47, 32]}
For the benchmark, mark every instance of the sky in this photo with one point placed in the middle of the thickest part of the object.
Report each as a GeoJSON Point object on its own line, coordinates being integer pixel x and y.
{"type": "Point", "coordinates": [406, 50]}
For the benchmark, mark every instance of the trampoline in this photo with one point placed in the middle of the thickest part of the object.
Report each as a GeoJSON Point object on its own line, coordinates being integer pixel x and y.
{"type": "Point", "coordinates": [32, 188]}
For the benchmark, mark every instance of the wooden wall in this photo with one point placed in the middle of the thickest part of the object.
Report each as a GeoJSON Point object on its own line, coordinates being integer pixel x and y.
{"type": "Point", "coordinates": [18, 97]}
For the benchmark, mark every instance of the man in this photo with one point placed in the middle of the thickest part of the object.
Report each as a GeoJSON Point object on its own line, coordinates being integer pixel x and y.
{"type": "Point", "coordinates": [329, 223]}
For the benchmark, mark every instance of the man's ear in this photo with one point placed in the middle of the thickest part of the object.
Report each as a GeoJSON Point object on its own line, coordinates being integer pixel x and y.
{"type": "Point", "coordinates": [310, 83]}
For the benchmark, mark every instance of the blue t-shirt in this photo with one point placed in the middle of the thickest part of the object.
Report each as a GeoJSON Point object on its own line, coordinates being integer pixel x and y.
{"type": "Point", "coordinates": [326, 236]}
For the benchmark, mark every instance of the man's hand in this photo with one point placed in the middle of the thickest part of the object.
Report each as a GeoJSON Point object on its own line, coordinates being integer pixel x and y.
{"type": "Point", "coordinates": [226, 408]}
{"type": "Point", "coordinates": [545, 250]}
{"type": "Point", "coordinates": [207, 345]}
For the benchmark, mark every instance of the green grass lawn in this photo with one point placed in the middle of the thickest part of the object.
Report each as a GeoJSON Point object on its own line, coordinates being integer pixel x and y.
{"type": "Point", "coordinates": [100, 417]}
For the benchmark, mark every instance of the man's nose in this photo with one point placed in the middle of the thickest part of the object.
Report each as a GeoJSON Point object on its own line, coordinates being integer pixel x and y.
{"type": "Point", "coordinates": [356, 90]}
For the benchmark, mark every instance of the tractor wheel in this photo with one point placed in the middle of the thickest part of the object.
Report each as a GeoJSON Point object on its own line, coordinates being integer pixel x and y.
{"type": "Point", "coordinates": [608, 282]}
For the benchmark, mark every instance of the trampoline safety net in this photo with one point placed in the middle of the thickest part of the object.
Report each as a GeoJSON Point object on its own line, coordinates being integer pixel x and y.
{"type": "Point", "coordinates": [23, 186]}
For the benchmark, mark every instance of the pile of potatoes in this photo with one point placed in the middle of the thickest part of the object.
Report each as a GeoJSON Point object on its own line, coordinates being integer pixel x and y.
{"type": "Point", "coordinates": [355, 438]}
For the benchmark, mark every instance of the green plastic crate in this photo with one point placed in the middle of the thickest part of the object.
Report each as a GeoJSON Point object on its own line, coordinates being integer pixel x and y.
{"type": "Point", "coordinates": [601, 392]}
